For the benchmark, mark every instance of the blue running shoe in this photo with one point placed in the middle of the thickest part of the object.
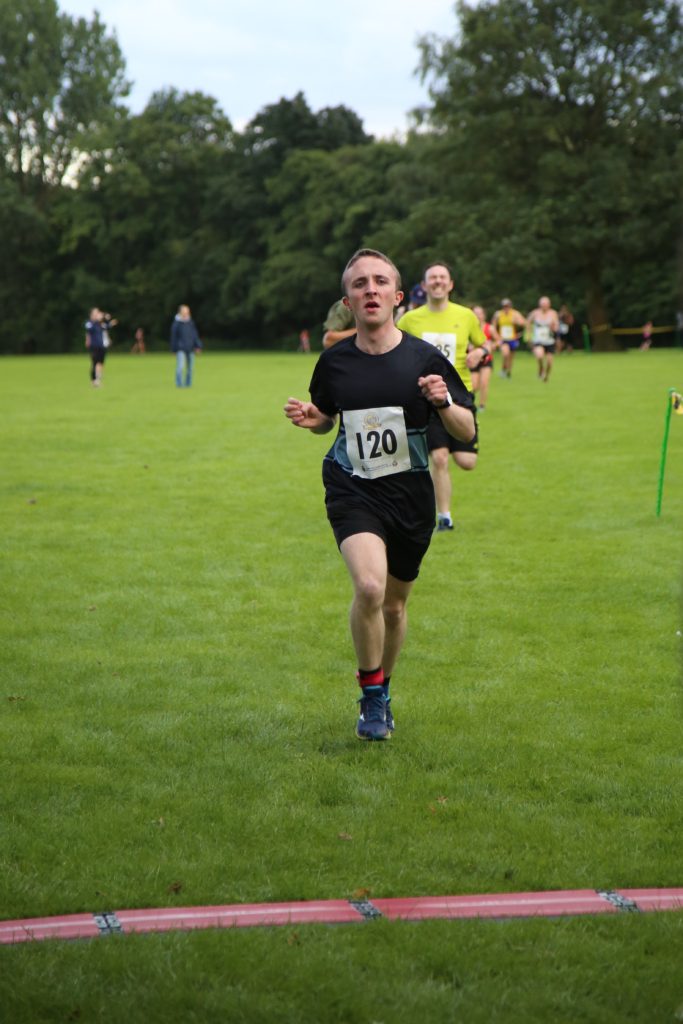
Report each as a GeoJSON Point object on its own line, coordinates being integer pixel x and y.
{"type": "Point", "coordinates": [387, 708]}
{"type": "Point", "coordinates": [372, 721]}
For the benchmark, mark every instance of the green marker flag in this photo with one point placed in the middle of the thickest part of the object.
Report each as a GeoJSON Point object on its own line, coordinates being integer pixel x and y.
{"type": "Point", "coordinates": [586, 338]}
{"type": "Point", "coordinates": [674, 403]}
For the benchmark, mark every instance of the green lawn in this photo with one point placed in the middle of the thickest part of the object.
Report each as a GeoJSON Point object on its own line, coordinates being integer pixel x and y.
{"type": "Point", "coordinates": [177, 705]}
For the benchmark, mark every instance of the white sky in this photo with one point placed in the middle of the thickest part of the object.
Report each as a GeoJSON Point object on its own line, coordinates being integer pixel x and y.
{"type": "Point", "coordinates": [246, 53]}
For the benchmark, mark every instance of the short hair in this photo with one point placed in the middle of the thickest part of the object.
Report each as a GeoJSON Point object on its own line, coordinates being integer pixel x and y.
{"type": "Point", "coordinates": [358, 254]}
{"type": "Point", "coordinates": [437, 263]}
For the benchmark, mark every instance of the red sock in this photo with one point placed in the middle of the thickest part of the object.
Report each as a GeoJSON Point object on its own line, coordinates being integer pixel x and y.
{"type": "Point", "coordinates": [374, 677]}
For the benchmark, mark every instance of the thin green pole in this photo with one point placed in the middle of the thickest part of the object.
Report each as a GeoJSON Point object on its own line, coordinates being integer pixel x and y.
{"type": "Point", "coordinates": [665, 441]}
{"type": "Point", "coordinates": [586, 338]}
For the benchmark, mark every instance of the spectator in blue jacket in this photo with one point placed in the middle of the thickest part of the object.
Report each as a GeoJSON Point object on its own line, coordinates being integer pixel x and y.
{"type": "Point", "coordinates": [184, 342]}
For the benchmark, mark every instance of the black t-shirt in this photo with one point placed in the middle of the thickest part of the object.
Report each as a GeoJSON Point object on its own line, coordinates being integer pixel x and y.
{"type": "Point", "coordinates": [380, 453]}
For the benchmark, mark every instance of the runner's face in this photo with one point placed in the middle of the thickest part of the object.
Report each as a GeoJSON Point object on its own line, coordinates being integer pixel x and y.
{"type": "Point", "coordinates": [371, 292]}
{"type": "Point", "coordinates": [438, 283]}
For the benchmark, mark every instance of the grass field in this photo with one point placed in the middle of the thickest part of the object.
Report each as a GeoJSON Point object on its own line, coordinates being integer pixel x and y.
{"type": "Point", "coordinates": [177, 705]}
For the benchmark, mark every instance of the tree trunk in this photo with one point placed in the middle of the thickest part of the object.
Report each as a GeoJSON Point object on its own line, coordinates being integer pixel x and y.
{"type": "Point", "coordinates": [602, 338]}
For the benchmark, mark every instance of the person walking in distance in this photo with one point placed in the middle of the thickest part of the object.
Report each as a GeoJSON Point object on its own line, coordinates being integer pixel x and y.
{"type": "Point", "coordinates": [139, 341]}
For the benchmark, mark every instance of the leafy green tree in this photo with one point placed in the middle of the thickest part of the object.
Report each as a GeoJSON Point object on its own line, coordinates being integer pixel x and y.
{"type": "Point", "coordinates": [60, 78]}
{"type": "Point", "coordinates": [324, 206]}
{"type": "Point", "coordinates": [26, 237]}
{"type": "Point", "coordinates": [136, 215]}
{"type": "Point", "coordinates": [261, 249]}
{"type": "Point", "coordinates": [60, 81]}
{"type": "Point", "coordinates": [289, 125]}
{"type": "Point", "coordinates": [338, 127]}
{"type": "Point", "coordinates": [564, 117]}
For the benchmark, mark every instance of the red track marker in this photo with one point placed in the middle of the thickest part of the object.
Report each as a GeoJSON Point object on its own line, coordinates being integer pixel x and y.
{"type": "Point", "coordinates": [655, 899]}
{"type": "Point", "coordinates": [73, 926]}
{"type": "Point", "coordinates": [420, 908]}
{"type": "Point", "coordinates": [523, 904]}
{"type": "Point", "coordinates": [239, 916]}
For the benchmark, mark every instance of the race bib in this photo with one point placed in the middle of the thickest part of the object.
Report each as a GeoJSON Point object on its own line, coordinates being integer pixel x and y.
{"type": "Point", "coordinates": [377, 441]}
{"type": "Point", "coordinates": [446, 343]}
{"type": "Point", "coordinates": [507, 332]}
{"type": "Point", "coordinates": [542, 334]}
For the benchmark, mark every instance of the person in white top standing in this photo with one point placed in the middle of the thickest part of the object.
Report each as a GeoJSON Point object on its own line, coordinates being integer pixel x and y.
{"type": "Point", "coordinates": [544, 324]}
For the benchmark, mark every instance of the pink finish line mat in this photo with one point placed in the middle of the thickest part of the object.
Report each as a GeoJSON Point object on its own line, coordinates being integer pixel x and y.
{"type": "Point", "coordinates": [266, 915]}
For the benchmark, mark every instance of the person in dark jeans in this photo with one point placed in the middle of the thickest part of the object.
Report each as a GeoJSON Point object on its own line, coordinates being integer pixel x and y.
{"type": "Point", "coordinates": [185, 343]}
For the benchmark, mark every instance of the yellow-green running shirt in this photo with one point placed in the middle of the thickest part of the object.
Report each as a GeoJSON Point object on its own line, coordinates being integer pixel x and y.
{"type": "Point", "coordinates": [450, 331]}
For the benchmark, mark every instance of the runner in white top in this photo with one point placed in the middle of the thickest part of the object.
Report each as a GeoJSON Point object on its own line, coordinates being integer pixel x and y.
{"type": "Point", "coordinates": [544, 324]}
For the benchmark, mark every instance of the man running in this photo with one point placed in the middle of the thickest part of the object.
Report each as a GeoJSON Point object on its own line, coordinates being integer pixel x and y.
{"type": "Point", "coordinates": [481, 373]}
{"type": "Point", "coordinates": [339, 324]}
{"type": "Point", "coordinates": [544, 324]}
{"type": "Point", "coordinates": [507, 324]}
{"type": "Point", "coordinates": [383, 385]}
{"type": "Point", "coordinates": [452, 329]}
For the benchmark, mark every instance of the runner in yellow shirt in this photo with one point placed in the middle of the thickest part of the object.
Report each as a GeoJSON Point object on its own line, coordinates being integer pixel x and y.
{"type": "Point", "coordinates": [508, 329]}
{"type": "Point", "coordinates": [450, 328]}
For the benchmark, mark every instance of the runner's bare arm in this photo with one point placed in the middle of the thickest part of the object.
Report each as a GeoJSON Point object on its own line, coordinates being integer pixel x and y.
{"type": "Point", "coordinates": [331, 338]}
{"type": "Point", "coordinates": [458, 421]}
{"type": "Point", "coordinates": [309, 416]}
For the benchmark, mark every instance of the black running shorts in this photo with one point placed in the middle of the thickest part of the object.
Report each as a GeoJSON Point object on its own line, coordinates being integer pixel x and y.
{"type": "Point", "coordinates": [405, 527]}
{"type": "Point", "coordinates": [438, 437]}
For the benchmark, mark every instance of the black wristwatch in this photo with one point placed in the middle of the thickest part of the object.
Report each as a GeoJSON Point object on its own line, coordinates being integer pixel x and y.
{"type": "Point", "coordinates": [446, 402]}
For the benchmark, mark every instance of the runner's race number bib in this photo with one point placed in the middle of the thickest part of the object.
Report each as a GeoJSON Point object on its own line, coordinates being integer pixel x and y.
{"type": "Point", "coordinates": [446, 343]}
{"type": "Point", "coordinates": [542, 335]}
{"type": "Point", "coordinates": [507, 332]}
{"type": "Point", "coordinates": [377, 441]}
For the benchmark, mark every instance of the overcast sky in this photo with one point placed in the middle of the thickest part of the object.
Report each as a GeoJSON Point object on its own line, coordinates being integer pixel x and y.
{"type": "Point", "coordinates": [247, 54]}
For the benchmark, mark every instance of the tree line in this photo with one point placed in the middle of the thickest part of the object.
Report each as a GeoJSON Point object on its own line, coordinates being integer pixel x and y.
{"type": "Point", "coordinates": [549, 159]}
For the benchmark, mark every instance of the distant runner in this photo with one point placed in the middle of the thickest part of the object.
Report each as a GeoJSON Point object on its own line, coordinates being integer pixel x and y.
{"type": "Point", "coordinates": [507, 324]}
{"type": "Point", "coordinates": [544, 325]}
{"type": "Point", "coordinates": [481, 373]}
